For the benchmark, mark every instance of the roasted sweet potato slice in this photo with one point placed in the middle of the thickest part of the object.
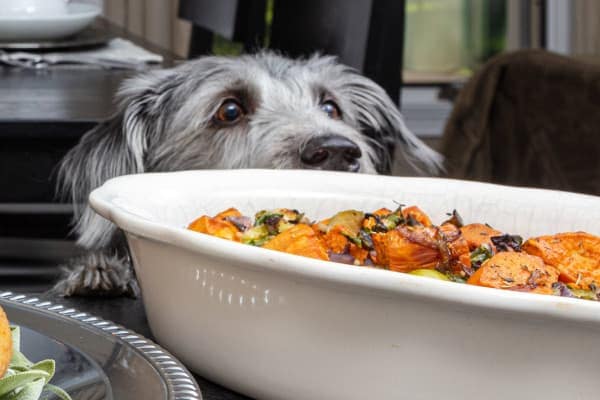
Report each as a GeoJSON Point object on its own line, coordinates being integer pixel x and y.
{"type": "Point", "coordinates": [360, 254]}
{"type": "Point", "coordinates": [219, 225]}
{"type": "Point", "coordinates": [575, 254]}
{"type": "Point", "coordinates": [301, 240]}
{"type": "Point", "coordinates": [403, 252]}
{"type": "Point", "coordinates": [336, 241]}
{"type": "Point", "coordinates": [338, 231]}
{"type": "Point", "coordinates": [460, 255]}
{"type": "Point", "coordinates": [478, 234]}
{"type": "Point", "coordinates": [515, 271]}
{"type": "Point", "coordinates": [415, 213]}
{"type": "Point", "coordinates": [339, 228]}
{"type": "Point", "coordinates": [5, 343]}
{"type": "Point", "coordinates": [230, 212]}
{"type": "Point", "coordinates": [456, 241]}
{"type": "Point", "coordinates": [382, 212]}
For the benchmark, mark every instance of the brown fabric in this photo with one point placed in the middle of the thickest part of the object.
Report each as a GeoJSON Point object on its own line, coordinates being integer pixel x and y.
{"type": "Point", "coordinates": [528, 118]}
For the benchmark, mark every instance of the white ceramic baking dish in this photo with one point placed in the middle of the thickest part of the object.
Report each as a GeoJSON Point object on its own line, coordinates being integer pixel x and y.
{"type": "Point", "coordinates": [274, 325]}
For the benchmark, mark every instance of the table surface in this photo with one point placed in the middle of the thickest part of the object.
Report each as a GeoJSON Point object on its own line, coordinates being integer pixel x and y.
{"type": "Point", "coordinates": [65, 100]}
{"type": "Point", "coordinates": [70, 94]}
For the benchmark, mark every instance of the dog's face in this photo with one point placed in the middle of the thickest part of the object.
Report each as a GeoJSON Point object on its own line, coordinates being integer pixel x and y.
{"type": "Point", "coordinates": [254, 111]}
{"type": "Point", "coordinates": [265, 111]}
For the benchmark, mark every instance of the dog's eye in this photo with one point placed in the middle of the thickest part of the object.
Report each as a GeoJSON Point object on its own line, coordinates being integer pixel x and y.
{"type": "Point", "coordinates": [230, 111]}
{"type": "Point", "coordinates": [332, 109]}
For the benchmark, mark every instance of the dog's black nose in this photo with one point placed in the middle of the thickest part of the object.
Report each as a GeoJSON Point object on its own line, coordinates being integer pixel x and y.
{"type": "Point", "coordinates": [331, 152]}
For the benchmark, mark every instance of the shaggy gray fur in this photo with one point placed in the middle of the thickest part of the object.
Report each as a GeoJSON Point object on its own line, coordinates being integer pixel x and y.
{"type": "Point", "coordinates": [165, 123]}
{"type": "Point", "coordinates": [98, 273]}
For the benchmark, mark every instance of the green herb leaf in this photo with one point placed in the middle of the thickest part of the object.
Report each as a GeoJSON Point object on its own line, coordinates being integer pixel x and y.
{"type": "Point", "coordinates": [29, 391]}
{"type": "Point", "coordinates": [430, 273]}
{"type": "Point", "coordinates": [25, 380]}
{"type": "Point", "coordinates": [61, 394]}
{"type": "Point", "coordinates": [262, 216]}
{"type": "Point", "coordinates": [47, 366]}
{"type": "Point", "coordinates": [10, 383]}
{"type": "Point", "coordinates": [15, 332]}
{"type": "Point", "coordinates": [480, 255]}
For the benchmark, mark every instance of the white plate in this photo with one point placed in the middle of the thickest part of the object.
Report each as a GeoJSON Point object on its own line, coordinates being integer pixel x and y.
{"type": "Point", "coordinates": [47, 27]}
{"type": "Point", "coordinates": [274, 325]}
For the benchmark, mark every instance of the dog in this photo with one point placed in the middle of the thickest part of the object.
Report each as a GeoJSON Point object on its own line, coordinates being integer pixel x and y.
{"type": "Point", "coordinates": [251, 111]}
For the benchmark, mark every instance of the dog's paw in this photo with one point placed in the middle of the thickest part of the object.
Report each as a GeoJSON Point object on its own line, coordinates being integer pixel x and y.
{"type": "Point", "coordinates": [98, 274]}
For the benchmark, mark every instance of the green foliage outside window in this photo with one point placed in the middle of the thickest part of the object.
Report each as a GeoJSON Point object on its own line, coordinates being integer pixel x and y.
{"type": "Point", "coordinates": [225, 47]}
{"type": "Point", "coordinates": [440, 35]}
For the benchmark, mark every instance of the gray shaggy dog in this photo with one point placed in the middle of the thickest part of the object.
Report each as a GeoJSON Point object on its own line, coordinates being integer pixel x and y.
{"type": "Point", "coordinates": [252, 111]}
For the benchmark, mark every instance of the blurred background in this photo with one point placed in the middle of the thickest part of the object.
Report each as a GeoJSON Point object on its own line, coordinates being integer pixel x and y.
{"type": "Point", "coordinates": [445, 41]}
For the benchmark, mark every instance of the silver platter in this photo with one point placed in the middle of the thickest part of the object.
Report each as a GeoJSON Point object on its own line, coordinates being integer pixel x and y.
{"type": "Point", "coordinates": [97, 359]}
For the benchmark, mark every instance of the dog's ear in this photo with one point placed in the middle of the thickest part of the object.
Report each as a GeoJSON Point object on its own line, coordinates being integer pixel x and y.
{"type": "Point", "coordinates": [113, 148]}
{"type": "Point", "coordinates": [380, 120]}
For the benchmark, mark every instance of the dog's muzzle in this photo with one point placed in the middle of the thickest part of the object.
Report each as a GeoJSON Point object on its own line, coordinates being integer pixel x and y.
{"type": "Point", "coordinates": [331, 152]}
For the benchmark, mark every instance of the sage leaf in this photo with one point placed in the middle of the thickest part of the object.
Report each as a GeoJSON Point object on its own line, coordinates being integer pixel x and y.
{"type": "Point", "coordinates": [10, 383]}
{"type": "Point", "coordinates": [25, 380]}
{"type": "Point", "coordinates": [47, 366]}
{"type": "Point", "coordinates": [30, 391]}
{"type": "Point", "coordinates": [60, 393]}
{"type": "Point", "coordinates": [15, 332]}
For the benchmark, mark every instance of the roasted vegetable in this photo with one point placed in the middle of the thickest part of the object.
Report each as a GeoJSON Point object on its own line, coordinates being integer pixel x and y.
{"type": "Point", "coordinates": [459, 261]}
{"type": "Point", "coordinates": [359, 253]}
{"type": "Point", "coordinates": [219, 225]}
{"type": "Point", "coordinates": [301, 240]}
{"type": "Point", "coordinates": [269, 223]}
{"type": "Point", "coordinates": [347, 222]}
{"type": "Point", "coordinates": [480, 255]}
{"type": "Point", "coordinates": [430, 273]}
{"type": "Point", "coordinates": [575, 254]}
{"type": "Point", "coordinates": [257, 235]}
{"type": "Point", "coordinates": [405, 240]}
{"type": "Point", "coordinates": [407, 250]}
{"type": "Point", "coordinates": [341, 235]}
{"type": "Point", "coordinates": [5, 343]}
{"type": "Point", "coordinates": [507, 242]}
{"type": "Point", "coordinates": [478, 234]}
{"type": "Point", "coordinates": [415, 216]}
{"type": "Point", "coordinates": [455, 219]}
{"type": "Point", "coordinates": [341, 229]}
{"type": "Point", "coordinates": [516, 271]}
{"type": "Point", "coordinates": [568, 290]}
{"type": "Point", "coordinates": [336, 241]}
{"type": "Point", "coordinates": [376, 221]}
{"type": "Point", "coordinates": [279, 220]}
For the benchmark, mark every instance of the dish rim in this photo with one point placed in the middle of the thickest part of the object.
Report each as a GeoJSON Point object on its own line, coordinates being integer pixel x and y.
{"type": "Point", "coordinates": [179, 382]}
{"type": "Point", "coordinates": [75, 11]}
{"type": "Point", "coordinates": [371, 280]}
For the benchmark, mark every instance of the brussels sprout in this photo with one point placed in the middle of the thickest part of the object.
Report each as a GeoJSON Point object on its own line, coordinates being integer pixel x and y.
{"type": "Point", "coordinates": [430, 273]}
{"type": "Point", "coordinates": [288, 215]}
{"type": "Point", "coordinates": [278, 220]}
{"type": "Point", "coordinates": [349, 220]}
{"type": "Point", "coordinates": [583, 293]}
{"type": "Point", "coordinates": [256, 236]}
